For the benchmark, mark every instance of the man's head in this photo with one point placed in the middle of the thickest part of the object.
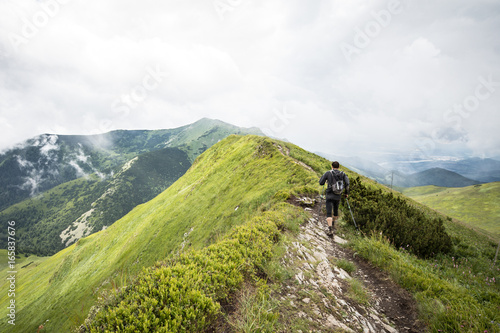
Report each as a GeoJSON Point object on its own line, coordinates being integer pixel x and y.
{"type": "Point", "coordinates": [335, 165]}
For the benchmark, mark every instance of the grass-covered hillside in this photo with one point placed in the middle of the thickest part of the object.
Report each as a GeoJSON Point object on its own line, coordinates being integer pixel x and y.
{"type": "Point", "coordinates": [422, 251]}
{"type": "Point", "coordinates": [175, 263]}
{"type": "Point", "coordinates": [225, 187]}
{"type": "Point", "coordinates": [477, 205]}
{"type": "Point", "coordinates": [59, 217]}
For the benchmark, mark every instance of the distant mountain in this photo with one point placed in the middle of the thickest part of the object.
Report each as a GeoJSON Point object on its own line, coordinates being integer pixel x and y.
{"type": "Point", "coordinates": [48, 160]}
{"type": "Point", "coordinates": [227, 232]}
{"type": "Point", "coordinates": [480, 169]}
{"type": "Point", "coordinates": [451, 174]}
{"type": "Point", "coordinates": [434, 176]}
{"type": "Point", "coordinates": [64, 214]}
{"type": "Point", "coordinates": [60, 188]}
{"type": "Point", "coordinates": [227, 186]}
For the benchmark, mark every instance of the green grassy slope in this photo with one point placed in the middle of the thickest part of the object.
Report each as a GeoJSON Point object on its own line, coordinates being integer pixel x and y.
{"type": "Point", "coordinates": [456, 292]}
{"type": "Point", "coordinates": [194, 139]}
{"type": "Point", "coordinates": [163, 156]}
{"type": "Point", "coordinates": [236, 182]}
{"type": "Point", "coordinates": [225, 187]}
{"type": "Point", "coordinates": [21, 261]}
{"type": "Point", "coordinates": [477, 205]}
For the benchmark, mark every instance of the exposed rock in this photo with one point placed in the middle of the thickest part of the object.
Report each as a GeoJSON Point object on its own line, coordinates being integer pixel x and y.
{"type": "Point", "coordinates": [339, 240]}
{"type": "Point", "coordinates": [312, 257]}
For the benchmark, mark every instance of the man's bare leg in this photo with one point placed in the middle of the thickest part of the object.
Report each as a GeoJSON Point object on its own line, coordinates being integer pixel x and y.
{"type": "Point", "coordinates": [329, 220]}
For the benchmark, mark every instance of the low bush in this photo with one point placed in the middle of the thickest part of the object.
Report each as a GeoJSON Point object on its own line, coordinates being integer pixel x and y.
{"type": "Point", "coordinates": [184, 293]}
{"type": "Point", "coordinates": [405, 225]}
{"type": "Point", "coordinates": [446, 304]}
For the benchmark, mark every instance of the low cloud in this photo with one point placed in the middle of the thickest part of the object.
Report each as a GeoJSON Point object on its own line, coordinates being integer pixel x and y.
{"type": "Point", "coordinates": [48, 164]}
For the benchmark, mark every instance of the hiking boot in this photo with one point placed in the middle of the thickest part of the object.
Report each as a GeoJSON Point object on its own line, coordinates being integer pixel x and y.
{"type": "Point", "coordinates": [329, 231]}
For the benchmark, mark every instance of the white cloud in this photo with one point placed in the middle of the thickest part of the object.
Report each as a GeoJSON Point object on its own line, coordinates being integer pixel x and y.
{"type": "Point", "coordinates": [48, 144]}
{"type": "Point", "coordinates": [263, 57]}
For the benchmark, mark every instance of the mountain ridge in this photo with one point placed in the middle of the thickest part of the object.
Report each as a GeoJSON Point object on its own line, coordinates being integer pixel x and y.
{"type": "Point", "coordinates": [435, 176]}
{"type": "Point", "coordinates": [139, 238]}
{"type": "Point", "coordinates": [48, 160]}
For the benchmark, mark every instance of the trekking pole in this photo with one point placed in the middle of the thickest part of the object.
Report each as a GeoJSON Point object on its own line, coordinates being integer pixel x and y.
{"type": "Point", "coordinates": [351, 213]}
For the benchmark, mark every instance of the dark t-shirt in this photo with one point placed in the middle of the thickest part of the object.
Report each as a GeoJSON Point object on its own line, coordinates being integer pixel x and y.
{"type": "Point", "coordinates": [328, 176]}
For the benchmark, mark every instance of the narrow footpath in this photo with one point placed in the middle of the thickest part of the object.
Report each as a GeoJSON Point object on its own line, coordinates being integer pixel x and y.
{"type": "Point", "coordinates": [322, 296]}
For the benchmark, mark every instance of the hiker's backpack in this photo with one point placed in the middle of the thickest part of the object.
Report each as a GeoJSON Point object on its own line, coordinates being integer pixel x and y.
{"type": "Point", "coordinates": [338, 185]}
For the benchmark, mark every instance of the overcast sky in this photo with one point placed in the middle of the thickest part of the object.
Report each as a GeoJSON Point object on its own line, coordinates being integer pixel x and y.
{"type": "Point", "coordinates": [410, 78]}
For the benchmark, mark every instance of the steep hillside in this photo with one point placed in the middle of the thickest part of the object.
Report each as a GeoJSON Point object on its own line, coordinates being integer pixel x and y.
{"type": "Point", "coordinates": [62, 215]}
{"type": "Point", "coordinates": [48, 160]}
{"type": "Point", "coordinates": [222, 250]}
{"type": "Point", "coordinates": [477, 205]}
{"type": "Point", "coordinates": [226, 186]}
{"type": "Point", "coordinates": [40, 220]}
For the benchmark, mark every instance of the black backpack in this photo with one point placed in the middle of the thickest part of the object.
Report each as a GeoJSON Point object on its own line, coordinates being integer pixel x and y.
{"type": "Point", "coordinates": [338, 186]}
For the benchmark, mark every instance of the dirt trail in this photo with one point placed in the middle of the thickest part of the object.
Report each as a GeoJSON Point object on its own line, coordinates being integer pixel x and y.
{"type": "Point", "coordinates": [319, 297]}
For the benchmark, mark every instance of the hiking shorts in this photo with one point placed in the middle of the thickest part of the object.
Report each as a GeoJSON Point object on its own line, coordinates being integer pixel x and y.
{"type": "Point", "coordinates": [332, 204]}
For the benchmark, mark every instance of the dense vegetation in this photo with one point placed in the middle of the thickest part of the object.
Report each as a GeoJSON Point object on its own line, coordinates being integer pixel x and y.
{"type": "Point", "coordinates": [457, 292]}
{"type": "Point", "coordinates": [41, 220]}
{"type": "Point", "coordinates": [45, 162]}
{"type": "Point", "coordinates": [379, 211]}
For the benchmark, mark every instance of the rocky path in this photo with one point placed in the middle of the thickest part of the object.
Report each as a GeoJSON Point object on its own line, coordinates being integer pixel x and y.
{"type": "Point", "coordinates": [320, 297]}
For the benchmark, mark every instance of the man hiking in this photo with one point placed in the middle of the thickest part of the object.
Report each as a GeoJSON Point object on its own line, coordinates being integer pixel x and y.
{"type": "Point", "coordinates": [337, 183]}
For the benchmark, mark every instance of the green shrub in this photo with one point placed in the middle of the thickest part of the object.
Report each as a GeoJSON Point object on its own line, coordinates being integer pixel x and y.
{"type": "Point", "coordinates": [446, 304]}
{"type": "Point", "coordinates": [405, 225]}
{"type": "Point", "coordinates": [184, 294]}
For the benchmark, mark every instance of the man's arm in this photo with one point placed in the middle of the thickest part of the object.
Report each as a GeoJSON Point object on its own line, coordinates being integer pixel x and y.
{"type": "Point", "coordinates": [346, 181]}
{"type": "Point", "coordinates": [322, 180]}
